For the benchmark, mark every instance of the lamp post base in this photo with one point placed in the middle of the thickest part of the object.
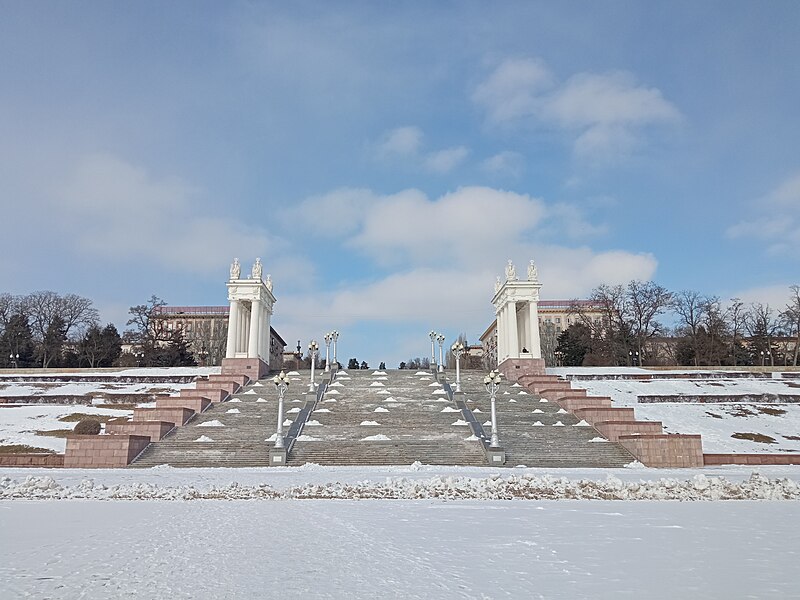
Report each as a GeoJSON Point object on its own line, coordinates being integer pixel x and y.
{"type": "Point", "coordinates": [277, 457]}
{"type": "Point", "coordinates": [496, 456]}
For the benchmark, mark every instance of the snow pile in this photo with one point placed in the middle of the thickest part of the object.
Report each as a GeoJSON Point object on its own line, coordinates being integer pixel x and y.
{"type": "Point", "coordinates": [214, 423]}
{"type": "Point", "coordinates": [598, 439]}
{"type": "Point", "coordinates": [204, 438]}
{"type": "Point", "coordinates": [313, 423]}
{"type": "Point", "coordinates": [262, 400]}
{"type": "Point", "coordinates": [322, 410]}
{"type": "Point", "coordinates": [558, 424]}
{"type": "Point", "coordinates": [380, 409]}
{"type": "Point", "coordinates": [582, 423]}
{"type": "Point", "coordinates": [307, 438]}
{"type": "Point", "coordinates": [460, 422]}
{"type": "Point", "coordinates": [369, 423]}
{"type": "Point", "coordinates": [233, 411]}
{"type": "Point", "coordinates": [494, 487]}
{"type": "Point", "coordinates": [376, 384]}
{"type": "Point", "coordinates": [293, 410]}
{"type": "Point", "coordinates": [450, 409]}
{"type": "Point", "coordinates": [372, 438]}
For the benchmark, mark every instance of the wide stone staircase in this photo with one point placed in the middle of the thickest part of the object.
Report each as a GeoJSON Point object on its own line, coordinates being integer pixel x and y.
{"type": "Point", "coordinates": [386, 418]}
{"type": "Point", "coordinates": [236, 433]}
{"type": "Point", "coordinates": [538, 433]}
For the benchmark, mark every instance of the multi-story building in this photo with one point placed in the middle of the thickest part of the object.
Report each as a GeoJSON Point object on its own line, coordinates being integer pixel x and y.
{"type": "Point", "coordinates": [205, 328]}
{"type": "Point", "coordinates": [554, 317]}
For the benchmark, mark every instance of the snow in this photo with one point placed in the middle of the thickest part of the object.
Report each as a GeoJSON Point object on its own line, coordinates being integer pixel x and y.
{"type": "Point", "coordinates": [380, 409]}
{"type": "Point", "coordinates": [204, 438]}
{"type": "Point", "coordinates": [251, 392]}
{"type": "Point", "coordinates": [336, 384]}
{"type": "Point", "coordinates": [293, 374]}
{"type": "Point", "coordinates": [378, 373]}
{"type": "Point", "coordinates": [233, 411]}
{"type": "Point", "coordinates": [558, 424]}
{"type": "Point", "coordinates": [322, 410]}
{"type": "Point", "coordinates": [477, 411]}
{"type": "Point", "coordinates": [376, 438]}
{"type": "Point", "coordinates": [538, 424]}
{"type": "Point", "coordinates": [261, 400]}
{"type": "Point", "coordinates": [582, 423]}
{"type": "Point", "coordinates": [422, 373]}
{"type": "Point", "coordinates": [333, 392]}
{"type": "Point", "coordinates": [543, 400]}
{"type": "Point", "coordinates": [522, 393]}
{"type": "Point", "coordinates": [561, 411]}
{"type": "Point", "coordinates": [369, 423]}
{"type": "Point", "coordinates": [598, 439]}
{"type": "Point", "coordinates": [214, 423]}
{"type": "Point", "coordinates": [460, 423]}
{"type": "Point", "coordinates": [234, 400]}
{"type": "Point", "coordinates": [716, 422]}
{"type": "Point", "coordinates": [287, 422]}
{"type": "Point", "coordinates": [293, 410]}
{"type": "Point", "coordinates": [449, 409]}
{"type": "Point", "coordinates": [20, 422]}
{"type": "Point", "coordinates": [487, 424]}
{"type": "Point", "coordinates": [313, 423]}
{"type": "Point", "coordinates": [383, 392]}
{"type": "Point", "coordinates": [307, 438]}
{"type": "Point", "coordinates": [537, 410]}
{"type": "Point", "coordinates": [434, 384]}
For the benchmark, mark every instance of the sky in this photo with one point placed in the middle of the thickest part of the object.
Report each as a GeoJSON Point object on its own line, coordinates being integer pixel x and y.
{"type": "Point", "coordinates": [385, 160]}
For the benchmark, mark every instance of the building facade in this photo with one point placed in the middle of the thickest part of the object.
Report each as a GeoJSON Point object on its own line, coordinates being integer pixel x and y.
{"type": "Point", "coordinates": [205, 328]}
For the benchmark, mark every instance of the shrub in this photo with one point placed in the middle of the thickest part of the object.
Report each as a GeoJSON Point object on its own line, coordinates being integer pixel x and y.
{"type": "Point", "coordinates": [87, 427]}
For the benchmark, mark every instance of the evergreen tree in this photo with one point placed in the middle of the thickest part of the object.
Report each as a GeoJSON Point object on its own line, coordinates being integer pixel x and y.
{"type": "Point", "coordinates": [17, 341]}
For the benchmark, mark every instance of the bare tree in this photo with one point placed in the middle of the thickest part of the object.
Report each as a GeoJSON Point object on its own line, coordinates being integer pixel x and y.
{"type": "Point", "coordinates": [9, 306]}
{"type": "Point", "coordinates": [690, 307]}
{"type": "Point", "coordinates": [48, 311]}
{"type": "Point", "coordinates": [645, 302]}
{"type": "Point", "coordinates": [736, 316]}
{"type": "Point", "coordinates": [762, 325]}
{"type": "Point", "coordinates": [791, 319]}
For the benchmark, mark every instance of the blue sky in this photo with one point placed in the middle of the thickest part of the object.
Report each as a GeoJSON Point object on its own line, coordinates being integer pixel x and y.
{"type": "Point", "coordinates": [385, 159]}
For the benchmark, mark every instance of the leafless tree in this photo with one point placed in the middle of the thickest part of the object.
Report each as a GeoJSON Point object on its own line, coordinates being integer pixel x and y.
{"type": "Point", "coordinates": [791, 319]}
{"type": "Point", "coordinates": [736, 316]}
{"type": "Point", "coordinates": [46, 309]}
{"type": "Point", "coordinates": [645, 301]}
{"type": "Point", "coordinates": [690, 307]}
{"type": "Point", "coordinates": [762, 326]}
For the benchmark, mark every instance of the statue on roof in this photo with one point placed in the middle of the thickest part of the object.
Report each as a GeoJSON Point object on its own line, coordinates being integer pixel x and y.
{"type": "Point", "coordinates": [511, 272]}
{"type": "Point", "coordinates": [497, 284]}
{"type": "Point", "coordinates": [257, 270]}
{"type": "Point", "coordinates": [533, 273]}
{"type": "Point", "coordinates": [268, 282]}
{"type": "Point", "coordinates": [236, 269]}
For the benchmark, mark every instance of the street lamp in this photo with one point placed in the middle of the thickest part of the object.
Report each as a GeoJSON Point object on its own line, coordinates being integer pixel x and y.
{"type": "Point", "coordinates": [335, 338]}
{"type": "Point", "coordinates": [440, 339]}
{"type": "Point", "coordinates": [458, 352]}
{"type": "Point", "coordinates": [139, 358]}
{"type": "Point", "coordinates": [492, 383]}
{"type": "Point", "coordinates": [282, 383]}
{"type": "Point", "coordinates": [559, 358]}
{"type": "Point", "coordinates": [433, 335]}
{"type": "Point", "coordinates": [14, 359]}
{"type": "Point", "coordinates": [328, 338]}
{"type": "Point", "coordinates": [762, 358]}
{"type": "Point", "coordinates": [313, 351]}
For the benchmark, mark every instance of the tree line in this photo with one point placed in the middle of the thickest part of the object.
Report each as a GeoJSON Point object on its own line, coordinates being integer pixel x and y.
{"type": "Point", "coordinates": [629, 325]}
{"type": "Point", "coordinates": [46, 329]}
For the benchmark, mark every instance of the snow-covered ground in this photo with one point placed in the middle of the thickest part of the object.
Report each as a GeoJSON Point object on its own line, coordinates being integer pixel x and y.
{"type": "Point", "coordinates": [19, 423]}
{"type": "Point", "coordinates": [248, 545]}
{"type": "Point", "coordinates": [87, 388]}
{"type": "Point", "coordinates": [716, 422]}
{"type": "Point", "coordinates": [133, 372]}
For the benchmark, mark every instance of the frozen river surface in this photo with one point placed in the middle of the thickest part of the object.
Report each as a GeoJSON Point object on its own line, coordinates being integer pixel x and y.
{"type": "Point", "coordinates": [399, 549]}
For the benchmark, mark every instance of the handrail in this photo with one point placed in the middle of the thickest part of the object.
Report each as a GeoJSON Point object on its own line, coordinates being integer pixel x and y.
{"type": "Point", "coordinates": [296, 429]}
{"type": "Point", "coordinates": [466, 413]}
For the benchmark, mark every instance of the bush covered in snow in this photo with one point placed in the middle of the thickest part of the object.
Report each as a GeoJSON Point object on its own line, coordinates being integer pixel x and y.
{"type": "Point", "coordinates": [87, 427]}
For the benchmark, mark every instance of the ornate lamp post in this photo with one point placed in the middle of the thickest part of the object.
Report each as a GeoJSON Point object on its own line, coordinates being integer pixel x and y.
{"type": "Point", "coordinates": [433, 336]}
{"type": "Point", "coordinates": [14, 360]}
{"type": "Point", "coordinates": [492, 383]}
{"type": "Point", "coordinates": [458, 351]}
{"type": "Point", "coordinates": [328, 339]}
{"type": "Point", "coordinates": [440, 339]}
{"type": "Point", "coordinates": [313, 351]}
{"type": "Point", "coordinates": [335, 339]}
{"type": "Point", "coordinates": [282, 383]}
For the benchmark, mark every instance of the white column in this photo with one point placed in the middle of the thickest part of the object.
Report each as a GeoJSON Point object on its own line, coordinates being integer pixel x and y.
{"type": "Point", "coordinates": [266, 336]}
{"type": "Point", "coordinates": [233, 328]}
{"type": "Point", "coordinates": [498, 316]}
{"type": "Point", "coordinates": [513, 337]}
{"type": "Point", "coordinates": [536, 345]}
{"type": "Point", "coordinates": [255, 334]}
{"type": "Point", "coordinates": [244, 323]}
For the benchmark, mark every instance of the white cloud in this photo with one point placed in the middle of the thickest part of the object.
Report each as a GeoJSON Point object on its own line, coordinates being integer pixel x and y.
{"type": "Point", "coordinates": [331, 215]}
{"type": "Point", "coordinates": [446, 160]}
{"type": "Point", "coordinates": [777, 296]}
{"type": "Point", "coordinates": [401, 141]}
{"type": "Point", "coordinates": [776, 222]}
{"type": "Point", "coordinates": [512, 90]}
{"type": "Point", "coordinates": [604, 114]}
{"type": "Point", "coordinates": [122, 212]}
{"type": "Point", "coordinates": [504, 163]}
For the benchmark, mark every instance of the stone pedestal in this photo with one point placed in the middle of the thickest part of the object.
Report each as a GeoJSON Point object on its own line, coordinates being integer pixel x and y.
{"type": "Point", "coordinates": [496, 456]}
{"type": "Point", "coordinates": [252, 368]}
{"type": "Point", "coordinates": [514, 368]}
{"type": "Point", "coordinates": [277, 457]}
